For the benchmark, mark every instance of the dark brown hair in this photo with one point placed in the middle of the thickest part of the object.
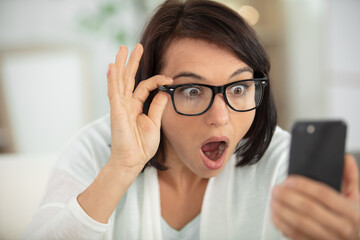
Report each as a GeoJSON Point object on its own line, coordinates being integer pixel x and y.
{"type": "Point", "coordinates": [213, 22]}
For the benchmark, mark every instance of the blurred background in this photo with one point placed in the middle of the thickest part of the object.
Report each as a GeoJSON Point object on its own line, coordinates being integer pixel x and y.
{"type": "Point", "coordinates": [53, 62]}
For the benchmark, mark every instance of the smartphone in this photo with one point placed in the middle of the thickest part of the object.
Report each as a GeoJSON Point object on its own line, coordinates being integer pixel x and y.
{"type": "Point", "coordinates": [317, 151]}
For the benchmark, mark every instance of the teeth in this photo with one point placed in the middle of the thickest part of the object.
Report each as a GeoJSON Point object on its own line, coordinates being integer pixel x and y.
{"type": "Point", "coordinates": [221, 150]}
{"type": "Point", "coordinates": [216, 154]}
{"type": "Point", "coordinates": [222, 147]}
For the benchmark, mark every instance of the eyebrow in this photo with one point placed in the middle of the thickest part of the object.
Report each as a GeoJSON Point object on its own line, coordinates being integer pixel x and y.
{"type": "Point", "coordinates": [241, 70]}
{"type": "Point", "coordinates": [188, 75]}
{"type": "Point", "coordinates": [198, 77]}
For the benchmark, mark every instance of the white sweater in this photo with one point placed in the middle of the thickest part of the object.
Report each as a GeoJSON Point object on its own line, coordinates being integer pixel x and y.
{"type": "Point", "coordinates": [236, 204]}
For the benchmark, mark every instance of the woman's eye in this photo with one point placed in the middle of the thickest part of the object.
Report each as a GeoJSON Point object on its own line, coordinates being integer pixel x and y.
{"type": "Point", "coordinates": [238, 90]}
{"type": "Point", "coordinates": [190, 91]}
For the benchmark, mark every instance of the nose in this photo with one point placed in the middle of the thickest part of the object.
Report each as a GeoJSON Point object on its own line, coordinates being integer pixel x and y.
{"type": "Point", "coordinates": [218, 114]}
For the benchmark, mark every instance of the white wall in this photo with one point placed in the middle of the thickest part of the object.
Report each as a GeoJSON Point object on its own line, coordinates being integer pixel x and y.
{"type": "Point", "coordinates": [343, 65]}
{"type": "Point", "coordinates": [28, 175]}
{"type": "Point", "coordinates": [304, 35]}
{"type": "Point", "coordinates": [52, 28]}
{"type": "Point", "coordinates": [323, 67]}
{"type": "Point", "coordinates": [47, 97]}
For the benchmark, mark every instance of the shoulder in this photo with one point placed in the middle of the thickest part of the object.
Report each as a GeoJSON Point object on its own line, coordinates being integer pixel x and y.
{"type": "Point", "coordinates": [96, 131]}
{"type": "Point", "coordinates": [274, 162]}
{"type": "Point", "coordinates": [279, 142]}
{"type": "Point", "coordinates": [96, 134]}
{"type": "Point", "coordinates": [272, 167]}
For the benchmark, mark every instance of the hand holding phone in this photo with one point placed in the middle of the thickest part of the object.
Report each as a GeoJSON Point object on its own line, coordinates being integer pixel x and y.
{"type": "Point", "coordinates": [317, 151]}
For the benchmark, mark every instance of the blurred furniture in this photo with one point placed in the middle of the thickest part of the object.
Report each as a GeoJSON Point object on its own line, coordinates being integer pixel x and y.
{"type": "Point", "coordinates": [6, 142]}
{"type": "Point", "coordinates": [23, 180]}
{"type": "Point", "coordinates": [45, 97]}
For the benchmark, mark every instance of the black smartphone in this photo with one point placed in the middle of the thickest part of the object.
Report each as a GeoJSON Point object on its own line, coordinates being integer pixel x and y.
{"type": "Point", "coordinates": [317, 151]}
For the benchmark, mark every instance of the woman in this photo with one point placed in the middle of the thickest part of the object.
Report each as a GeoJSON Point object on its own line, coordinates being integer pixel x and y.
{"type": "Point", "coordinates": [195, 152]}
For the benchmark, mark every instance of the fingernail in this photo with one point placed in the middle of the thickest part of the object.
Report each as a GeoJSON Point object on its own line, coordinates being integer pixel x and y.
{"type": "Point", "coordinates": [137, 46]}
{"type": "Point", "coordinates": [123, 48]}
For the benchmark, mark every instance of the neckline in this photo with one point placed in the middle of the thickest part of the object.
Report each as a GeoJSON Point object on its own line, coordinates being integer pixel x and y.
{"type": "Point", "coordinates": [195, 221]}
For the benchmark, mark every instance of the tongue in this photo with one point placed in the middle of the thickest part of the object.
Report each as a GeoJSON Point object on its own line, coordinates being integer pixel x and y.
{"type": "Point", "coordinates": [213, 150]}
{"type": "Point", "coordinates": [210, 147]}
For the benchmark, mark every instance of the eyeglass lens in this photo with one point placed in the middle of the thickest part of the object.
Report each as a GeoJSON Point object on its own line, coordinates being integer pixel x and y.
{"type": "Point", "coordinates": [194, 99]}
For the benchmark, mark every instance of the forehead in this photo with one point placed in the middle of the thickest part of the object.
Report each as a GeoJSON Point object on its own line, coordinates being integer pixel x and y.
{"type": "Point", "coordinates": [201, 57]}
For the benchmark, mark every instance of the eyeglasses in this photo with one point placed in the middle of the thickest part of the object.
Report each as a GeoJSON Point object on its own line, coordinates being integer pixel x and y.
{"type": "Point", "coordinates": [195, 99]}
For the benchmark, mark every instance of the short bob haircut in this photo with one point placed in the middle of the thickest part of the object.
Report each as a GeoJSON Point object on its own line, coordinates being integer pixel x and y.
{"type": "Point", "coordinates": [215, 23]}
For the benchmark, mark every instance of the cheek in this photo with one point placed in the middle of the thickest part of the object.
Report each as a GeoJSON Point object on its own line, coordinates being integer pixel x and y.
{"type": "Point", "coordinates": [178, 130]}
{"type": "Point", "coordinates": [168, 118]}
{"type": "Point", "coordinates": [174, 126]}
{"type": "Point", "coordinates": [241, 123]}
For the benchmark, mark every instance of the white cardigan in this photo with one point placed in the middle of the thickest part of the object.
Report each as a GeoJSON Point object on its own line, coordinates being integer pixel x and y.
{"type": "Point", "coordinates": [236, 204]}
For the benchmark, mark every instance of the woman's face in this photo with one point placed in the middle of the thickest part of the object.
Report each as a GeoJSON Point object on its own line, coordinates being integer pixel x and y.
{"type": "Point", "coordinates": [203, 144]}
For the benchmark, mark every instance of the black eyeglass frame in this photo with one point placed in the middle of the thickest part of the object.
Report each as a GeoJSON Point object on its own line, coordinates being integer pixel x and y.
{"type": "Point", "coordinates": [215, 90]}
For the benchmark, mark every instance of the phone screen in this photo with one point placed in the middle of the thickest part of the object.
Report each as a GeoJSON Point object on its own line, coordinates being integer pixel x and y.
{"type": "Point", "coordinates": [317, 151]}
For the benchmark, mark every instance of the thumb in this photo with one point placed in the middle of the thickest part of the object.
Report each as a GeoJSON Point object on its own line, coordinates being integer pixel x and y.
{"type": "Point", "coordinates": [157, 107]}
{"type": "Point", "coordinates": [350, 183]}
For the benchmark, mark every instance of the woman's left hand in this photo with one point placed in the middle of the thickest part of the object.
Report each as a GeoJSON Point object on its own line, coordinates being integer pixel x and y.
{"type": "Point", "coordinates": [306, 209]}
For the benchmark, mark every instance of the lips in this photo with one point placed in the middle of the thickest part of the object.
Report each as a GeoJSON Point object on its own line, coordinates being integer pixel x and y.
{"type": "Point", "coordinates": [213, 152]}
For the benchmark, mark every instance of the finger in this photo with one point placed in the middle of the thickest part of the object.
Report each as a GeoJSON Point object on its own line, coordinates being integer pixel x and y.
{"type": "Point", "coordinates": [298, 224]}
{"type": "Point", "coordinates": [312, 209]}
{"type": "Point", "coordinates": [120, 62]}
{"type": "Point", "coordinates": [286, 229]}
{"type": "Point", "coordinates": [350, 186]}
{"type": "Point", "coordinates": [157, 107]}
{"type": "Point", "coordinates": [113, 88]}
{"type": "Point", "coordinates": [320, 192]}
{"type": "Point", "coordinates": [144, 88]}
{"type": "Point", "coordinates": [131, 69]}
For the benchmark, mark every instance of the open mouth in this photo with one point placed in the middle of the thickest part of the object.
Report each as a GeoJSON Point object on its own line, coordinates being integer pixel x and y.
{"type": "Point", "coordinates": [213, 150]}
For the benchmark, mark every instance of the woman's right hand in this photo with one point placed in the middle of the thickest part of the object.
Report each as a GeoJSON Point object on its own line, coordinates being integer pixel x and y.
{"type": "Point", "coordinates": [135, 136]}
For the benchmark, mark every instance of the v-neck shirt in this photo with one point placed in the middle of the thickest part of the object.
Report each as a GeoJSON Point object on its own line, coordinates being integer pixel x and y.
{"type": "Point", "coordinates": [190, 231]}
